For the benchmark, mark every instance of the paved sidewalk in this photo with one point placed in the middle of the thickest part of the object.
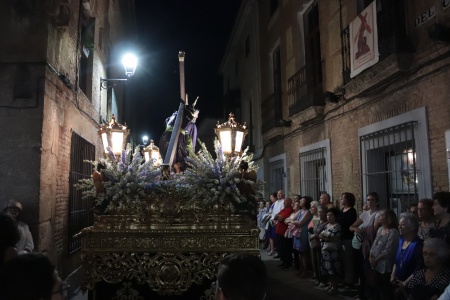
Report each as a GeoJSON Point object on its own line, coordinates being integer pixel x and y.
{"type": "Point", "coordinates": [288, 286]}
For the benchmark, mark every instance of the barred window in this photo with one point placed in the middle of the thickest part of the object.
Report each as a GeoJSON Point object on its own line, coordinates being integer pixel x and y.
{"type": "Point", "coordinates": [80, 210]}
{"type": "Point", "coordinates": [276, 176]}
{"type": "Point", "coordinates": [389, 165]}
{"type": "Point", "coordinates": [313, 172]}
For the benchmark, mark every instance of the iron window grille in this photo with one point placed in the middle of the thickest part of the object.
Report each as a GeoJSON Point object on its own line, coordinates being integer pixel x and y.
{"type": "Point", "coordinates": [313, 172]}
{"type": "Point", "coordinates": [388, 163]}
{"type": "Point", "coordinates": [80, 210]}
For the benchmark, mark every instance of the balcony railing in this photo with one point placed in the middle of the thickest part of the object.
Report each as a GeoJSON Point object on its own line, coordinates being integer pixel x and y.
{"type": "Point", "coordinates": [271, 112]}
{"type": "Point", "coordinates": [301, 92]}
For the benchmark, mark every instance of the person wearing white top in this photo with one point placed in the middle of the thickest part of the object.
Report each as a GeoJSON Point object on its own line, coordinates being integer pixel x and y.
{"type": "Point", "coordinates": [25, 244]}
{"type": "Point", "coordinates": [277, 207]}
{"type": "Point", "coordinates": [446, 294]}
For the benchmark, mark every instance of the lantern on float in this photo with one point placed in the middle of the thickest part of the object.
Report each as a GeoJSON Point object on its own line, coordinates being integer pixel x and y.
{"type": "Point", "coordinates": [231, 136]}
{"type": "Point", "coordinates": [114, 135]}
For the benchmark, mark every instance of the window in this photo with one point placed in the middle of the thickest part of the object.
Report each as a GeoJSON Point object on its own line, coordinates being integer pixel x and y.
{"type": "Point", "coordinates": [391, 25]}
{"type": "Point", "coordinates": [277, 174]}
{"type": "Point", "coordinates": [80, 210]}
{"type": "Point", "coordinates": [87, 57]}
{"type": "Point", "coordinates": [271, 108]}
{"type": "Point", "coordinates": [312, 45]}
{"type": "Point", "coordinates": [394, 161]}
{"type": "Point", "coordinates": [315, 167]}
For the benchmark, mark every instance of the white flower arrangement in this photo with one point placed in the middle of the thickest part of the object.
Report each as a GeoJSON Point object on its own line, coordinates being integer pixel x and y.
{"type": "Point", "coordinates": [221, 179]}
{"type": "Point", "coordinates": [129, 180]}
{"type": "Point", "coordinates": [126, 180]}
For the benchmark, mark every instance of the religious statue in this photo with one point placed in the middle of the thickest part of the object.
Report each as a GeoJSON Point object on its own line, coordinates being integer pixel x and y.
{"type": "Point", "coordinates": [187, 138]}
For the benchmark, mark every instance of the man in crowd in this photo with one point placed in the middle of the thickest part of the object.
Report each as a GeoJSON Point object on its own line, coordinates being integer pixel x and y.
{"type": "Point", "coordinates": [325, 201]}
{"type": "Point", "coordinates": [241, 276]}
{"type": "Point", "coordinates": [280, 231]}
{"type": "Point", "coordinates": [25, 244]}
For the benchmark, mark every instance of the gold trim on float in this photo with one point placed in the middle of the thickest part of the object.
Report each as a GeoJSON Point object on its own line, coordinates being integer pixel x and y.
{"type": "Point", "coordinates": [169, 247]}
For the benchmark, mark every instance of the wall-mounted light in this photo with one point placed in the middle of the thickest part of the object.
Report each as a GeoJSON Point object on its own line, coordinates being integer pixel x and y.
{"type": "Point", "coordinates": [129, 62]}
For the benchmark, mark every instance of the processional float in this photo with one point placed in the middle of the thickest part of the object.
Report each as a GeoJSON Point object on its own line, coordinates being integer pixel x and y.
{"type": "Point", "coordinates": [160, 235]}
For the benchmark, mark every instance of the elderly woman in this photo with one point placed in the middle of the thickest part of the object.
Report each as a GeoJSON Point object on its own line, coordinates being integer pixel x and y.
{"type": "Point", "coordinates": [441, 210]}
{"type": "Point", "coordinates": [329, 238]}
{"type": "Point", "coordinates": [430, 282]}
{"type": "Point", "coordinates": [426, 217]}
{"type": "Point", "coordinates": [262, 210]}
{"type": "Point", "coordinates": [409, 256]}
{"type": "Point", "coordinates": [382, 254]}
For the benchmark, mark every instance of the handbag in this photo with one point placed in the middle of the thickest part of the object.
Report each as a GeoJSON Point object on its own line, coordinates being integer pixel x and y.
{"type": "Point", "coordinates": [292, 231]}
{"type": "Point", "coordinates": [330, 246]}
{"type": "Point", "coordinates": [357, 241]}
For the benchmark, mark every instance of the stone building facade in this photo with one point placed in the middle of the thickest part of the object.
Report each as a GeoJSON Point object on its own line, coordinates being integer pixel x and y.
{"type": "Point", "coordinates": [52, 57]}
{"type": "Point", "coordinates": [385, 129]}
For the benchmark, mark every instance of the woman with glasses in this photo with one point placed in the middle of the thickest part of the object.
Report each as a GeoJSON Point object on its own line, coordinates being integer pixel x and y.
{"type": "Point", "coordinates": [31, 277]}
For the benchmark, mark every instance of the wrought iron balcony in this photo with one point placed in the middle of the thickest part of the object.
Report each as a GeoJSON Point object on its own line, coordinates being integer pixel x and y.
{"type": "Point", "coordinates": [301, 91]}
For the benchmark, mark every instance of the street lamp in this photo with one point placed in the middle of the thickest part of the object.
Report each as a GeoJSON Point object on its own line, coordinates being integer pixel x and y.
{"type": "Point", "coordinates": [152, 152]}
{"type": "Point", "coordinates": [231, 135]}
{"type": "Point", "coordinates": [145, 140]}
{"type": "Point", "coordinates": [129, 62]}
{"type": "Point", "coordinates": [114, 135]}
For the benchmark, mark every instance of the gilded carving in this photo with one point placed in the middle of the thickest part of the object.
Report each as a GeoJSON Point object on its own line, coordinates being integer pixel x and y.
{"type": "Point", "coordinates": [146, 243]}
{"type": "Point", "coordinates": [165, 273]}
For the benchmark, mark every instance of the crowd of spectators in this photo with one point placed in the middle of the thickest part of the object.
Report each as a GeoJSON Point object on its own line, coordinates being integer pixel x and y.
{"type": "Point", "coordinates": [377, 252]}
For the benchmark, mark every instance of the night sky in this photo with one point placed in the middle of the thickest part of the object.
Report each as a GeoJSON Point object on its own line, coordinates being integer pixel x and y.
{"type": "Point", "coordinates": [202, 29]}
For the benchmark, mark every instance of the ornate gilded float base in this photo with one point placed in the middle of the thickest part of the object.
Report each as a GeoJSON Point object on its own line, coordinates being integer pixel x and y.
{"type": "Point", "coordinates": [171, 249]}
{"type": "Point", "coordinates": [165, 273]}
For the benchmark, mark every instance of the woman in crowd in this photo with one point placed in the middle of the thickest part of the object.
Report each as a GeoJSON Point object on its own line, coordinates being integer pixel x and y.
{"type": "Point", "coordinates": [9, 236]}
{"type": "Point", "coordinates": [430, 282]}
{"type": "Point", "coordinates": [365, 228]}
{"type": "Point", "coordinates": [271, 228]}
{"type": "Point", "coordinates": [347, 217]}
{"type": "Point", "coordinates": [301, 243]}
{"type": "Point", "coordinates": [409, 256]}
{"type": "Point", "coordinates": [314, 243]}
{"type": "Point", "coordinates": [314, 213]}
{"type": "Point", "coordinates": [262, 226]}
{"type": "Point", "coordinates": [441, 210]}
{"type": "Point", "coordinates": [383, 252]}
{"type": "Point", "coordinates": [426, 217]}
{"type": "Point", "coordinates": [31, 277]}
{"type": "Point", "coordinates": [329, 238]}
{"type": "Point", "coordinates": [291, 231]}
